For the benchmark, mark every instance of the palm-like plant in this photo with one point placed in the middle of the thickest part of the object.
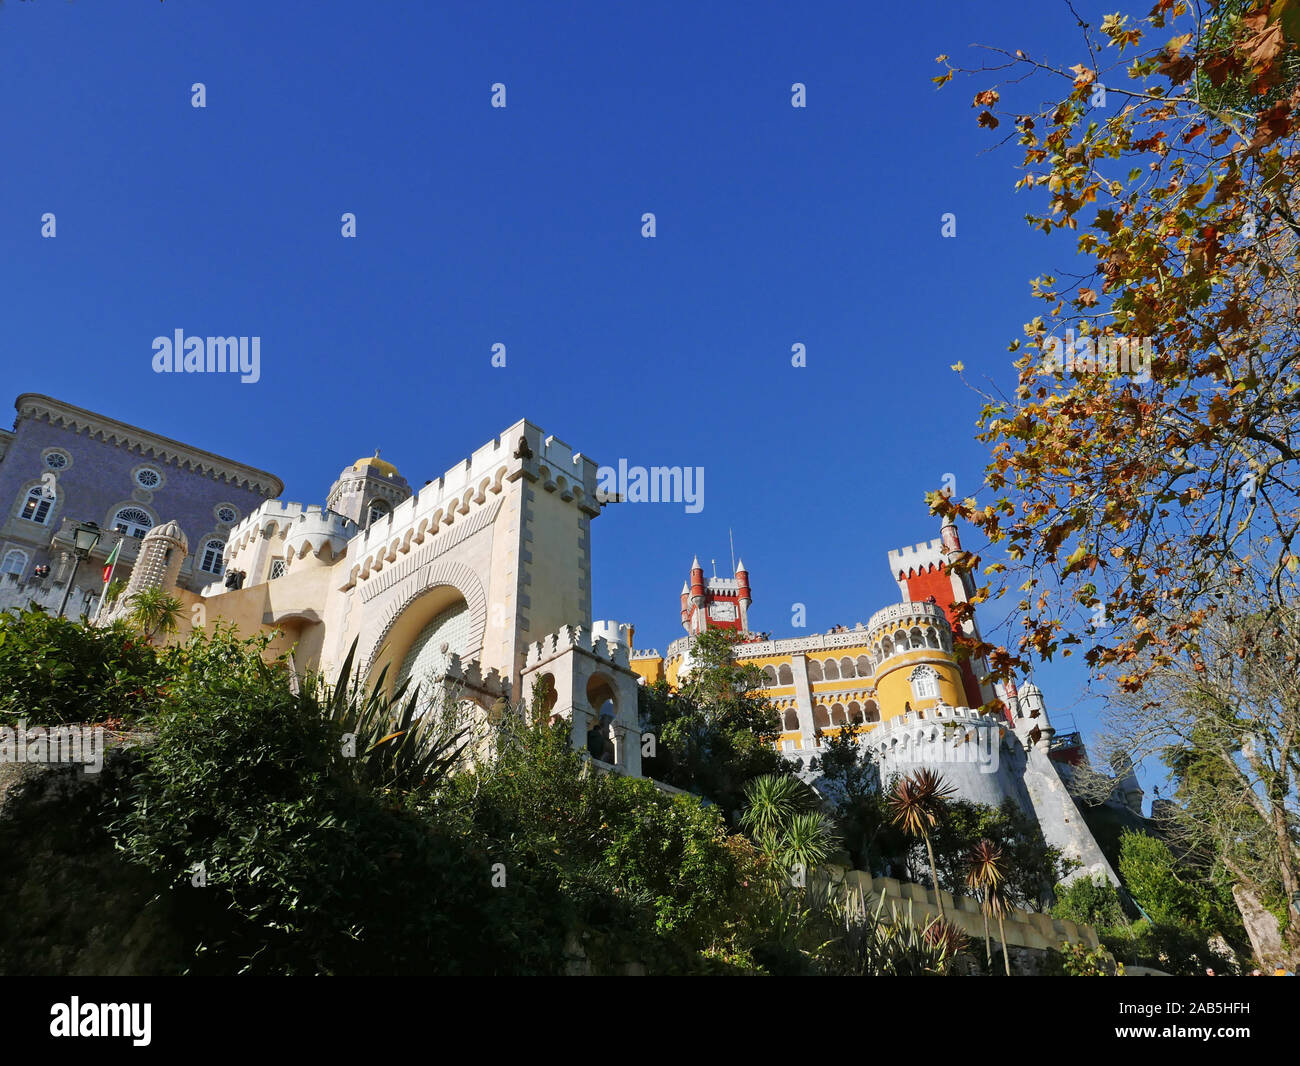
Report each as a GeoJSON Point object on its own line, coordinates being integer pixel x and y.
{"type": "Point", "coordinates": [986, 870]}
{"type": "Point", "coordinates": [395, 750]}
{"type": "Point", "coordinates": [915, 805]}
{"type": "Point", "coordinates": [782, 817]}
{"type": "Point", "coordinates": [154, 611]}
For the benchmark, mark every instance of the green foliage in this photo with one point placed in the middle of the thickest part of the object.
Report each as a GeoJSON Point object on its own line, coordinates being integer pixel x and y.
{"type": "Point", "coordinates": [1032, 865]}
{"type": "Point", "coordinates": [870, 944]}
{"type": "Point", "coordinates": [1175, 949]}
{"type": "Point", "coordinates": [305, 872]}
{"type": "Point", "coordinates": [782, 817]}
{"type": "Point", "coordinates": [715, 733]}
{"type": "Point", "coordinates": [154, 611]}
{"type": "Point", "coordinates": [55, 670]}
{"type": "Point", "coordinates": [1089, 901]}
{"type": "Point", "coordinates": [1077, 960]}
{"type": "Point", "coordinates": [615, 858]}
{"type": "Point", "coordinates": [389, 749]}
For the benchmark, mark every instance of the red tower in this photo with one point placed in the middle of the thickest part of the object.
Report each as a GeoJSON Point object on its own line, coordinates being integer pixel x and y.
{"type": "Point", "coordinates": [716, 602]}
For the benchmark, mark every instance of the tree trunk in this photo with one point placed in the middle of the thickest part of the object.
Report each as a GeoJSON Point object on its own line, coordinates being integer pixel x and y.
{"type": "Point", "coordinates": [1002, 932]}
{"type": "Point", "coordinates": [934, 876]}
{"type": "Point", "coordinates": [988, 946]}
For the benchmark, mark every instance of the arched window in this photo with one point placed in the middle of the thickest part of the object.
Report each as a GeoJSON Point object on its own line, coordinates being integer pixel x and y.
{"type": "Point", "coordinates": [886, 648]}
{"type": "Point", "coordinates": [900, 641]}
{"type": "Point", "coordinates": [377, 510]}
{"type": "Point", "coordinates": [925, 683]}
{"type": "Point", "coordinates": [872, 712]}
{"type": "Point", "coordinates": [830, 671]}
{"type": "Point", "coordinates": [814, 670]}
{"type": "Point", "coordinates": [918, 641]}
{"type": "Point", "coordinates": [37, 506]}
{"type": "Point", "coordinates": [211, 558]}
{"type": "Point", "coordinates": [792, 721]}
{"type": "Point", "coordinates": [846, 667]}
{"type": "Point", "coordinates": [821, 717]}
{"type": "Point", "coordinates": [15, 562]}
{"type": "Point", "coordinates": [785, 675]}
{"type": "Point", "coordinates": [931, 637]}
{"type": "Point", "coordinates": [132, 522]}
{"type": "Point", "coordinates": [865, 669]}
{"type": "Point", "coordinates": [837, 715]}
{"type": "Point", "coordinates": [855, 713]}
{"type": "Point", "coordinates": [769, 676]}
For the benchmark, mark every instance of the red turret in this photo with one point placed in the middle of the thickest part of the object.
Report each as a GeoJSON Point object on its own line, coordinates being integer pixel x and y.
{"type": "Point", "coordinates": [697, 583]}
{"type": "Point", "coordinates": [742, 594]}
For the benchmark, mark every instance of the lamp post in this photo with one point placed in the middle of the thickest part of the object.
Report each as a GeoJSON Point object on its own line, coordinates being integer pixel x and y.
{"type": "Point", "coordinates": [84, 539]}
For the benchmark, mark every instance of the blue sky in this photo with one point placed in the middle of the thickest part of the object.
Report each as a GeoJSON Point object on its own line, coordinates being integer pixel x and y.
{"type": "Point", "coordinates": [522, 226]}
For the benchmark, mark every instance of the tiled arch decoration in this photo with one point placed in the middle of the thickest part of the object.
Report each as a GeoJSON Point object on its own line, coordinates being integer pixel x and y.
{"type": "Point", "coordinates": [459, 577]}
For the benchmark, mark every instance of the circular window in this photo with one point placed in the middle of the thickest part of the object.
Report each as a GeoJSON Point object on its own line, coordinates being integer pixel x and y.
{"type": "Point", "coordinates": [147, 478]}
{"type": "Point", "coordinates": [56, 460]}
{"type": "Point", "coordinates": [226, 515]}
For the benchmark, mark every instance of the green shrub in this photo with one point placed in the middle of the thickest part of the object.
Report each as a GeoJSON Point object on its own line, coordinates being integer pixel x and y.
{"type": "Point", "coordinates": [55, 670]}
{"type": "Point", "coordinates": [304, 872]}
{"type": "Point", "coordinates": [1089, 901]}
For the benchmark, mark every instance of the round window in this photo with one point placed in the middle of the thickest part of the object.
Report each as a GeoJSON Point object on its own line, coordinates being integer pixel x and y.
{"type": "Point", "coordinates": [226, 514]}
{"type": "Point", "coordinates": [56, 460]}
{"type": "Point", "coordinates": [147, 478]}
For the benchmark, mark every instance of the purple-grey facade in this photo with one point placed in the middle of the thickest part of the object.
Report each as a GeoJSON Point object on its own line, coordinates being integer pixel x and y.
{"type": "Point", "coordinates": [63, 465]}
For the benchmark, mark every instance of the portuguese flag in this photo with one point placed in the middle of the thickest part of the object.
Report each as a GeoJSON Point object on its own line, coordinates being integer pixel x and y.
{"type": "Point", "coordinates": [111, 561]}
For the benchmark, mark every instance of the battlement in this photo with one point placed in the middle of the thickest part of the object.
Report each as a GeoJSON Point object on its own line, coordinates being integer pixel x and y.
{"type": "Point", "coordinates": [644, 653]}
{"type": "Point", "coordinates": [916, 559]}
{"type": "Point", "coordinates": [906, 614]}
{"type": "Point", "coordinates": [520, 451]}
{"type": "Point", "coordinates": [940, 723]}
{"type": "Point", "coordinates": [470, 675]}
{"type": "Point", "coordinates": [575, 638]}
{"type": "Point", "coordinates": [314, 529]}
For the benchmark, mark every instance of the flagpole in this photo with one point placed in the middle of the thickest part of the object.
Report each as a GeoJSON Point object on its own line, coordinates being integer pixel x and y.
{"type": "Point", "coordinates": [108, 578]}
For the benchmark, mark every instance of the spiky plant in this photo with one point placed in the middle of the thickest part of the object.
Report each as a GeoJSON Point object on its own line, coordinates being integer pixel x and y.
{"type": "Point", "coordinates": [872, 944]}
{"type": "Point", "coordinates": [772, 800]}
{"type": "Point", "coordinates": [943, 934]}
{"type": "Point", "coordinates": [154, 611]}
{"type": "Point", "coordinates": [985, 867]}
{"type": "Point", "coordinates": [915, 805]}
{"type": "Point", "coordinates": [390, 748]}
{"type": "Point", "coordinates": [782, 819]}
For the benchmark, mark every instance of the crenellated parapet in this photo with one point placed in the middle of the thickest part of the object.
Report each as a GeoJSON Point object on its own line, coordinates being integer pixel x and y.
{"type": "Point", "coordinates": [907, 627]}
{"type": "Point", "coordinates": [916, 559]}
{"type": "Point", "coordinates": [468, 496]}
{"type": "Point", "coordinates": [575, 638]}
{"type": "Point", "coordinates": [486, 685]}
{"type": "Point", "coordinates": [939, 725]}
{"type": "Point", "coordinates": [272, 518]}
{"type": "Point", "coordinates": [319, 532]}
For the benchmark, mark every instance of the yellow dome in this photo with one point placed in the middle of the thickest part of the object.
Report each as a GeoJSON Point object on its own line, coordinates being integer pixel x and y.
{"type": "Point", "coordinates": [378, 465]}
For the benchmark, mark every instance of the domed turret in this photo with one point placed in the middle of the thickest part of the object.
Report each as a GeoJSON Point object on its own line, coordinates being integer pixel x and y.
{"type": "Point", "coordinates": [367, 491]}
